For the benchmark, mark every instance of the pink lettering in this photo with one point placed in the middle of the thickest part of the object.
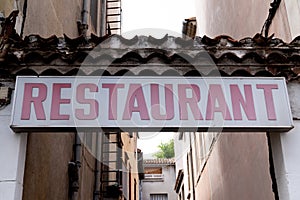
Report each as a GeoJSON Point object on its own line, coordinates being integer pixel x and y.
{"type": "Point", "coordinates": [135, 93]}
{"type": "Point", "coordinates": [113, 96]}
{"type": "Point", "coordinates": [169, 101]}
{"type": "Point", "coordinates": [184, 101]}
{"type": "Point", "coordinates": [80, 97]}
{"type": "Point", "coordinates": [216, 95]}
{"type": "Point", "coordinates": [238, 101]}
{"type": "Point", "coordinates": [57, 100]}
{"type": "Point", "coordinates": [269, 101]}
{"type": "Point", "coordinates": [37, 101]}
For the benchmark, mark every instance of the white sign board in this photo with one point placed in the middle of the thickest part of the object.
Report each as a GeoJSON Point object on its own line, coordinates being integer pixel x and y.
{"type": "Point", "coordinates": [151, 103]}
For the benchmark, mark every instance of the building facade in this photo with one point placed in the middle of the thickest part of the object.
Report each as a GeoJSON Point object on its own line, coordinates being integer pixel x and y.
{"type": "Point", "coordinates": [71, 18]}
{"type": "Point", "coordinates": [159, 176]}
{"type": "Point", "coordinates": [245, 165]}
{"type": "Point", "coordinates": [69, 165]}
{"type": "Point", "coordinates": [209, 165]}
{"type": "Point", "coordinates": [240, 19]}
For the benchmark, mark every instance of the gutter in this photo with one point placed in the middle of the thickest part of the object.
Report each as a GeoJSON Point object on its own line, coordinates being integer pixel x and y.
{"type": "Point", "coordinates": [272, 11]}
{"type": "Point", "coordinates": [103, 18]}
{"type": "Point", "coordinates": [272, 168]}
{"type": "Point", "coordinates": [96, 195]}
{"type": "Point", "coordinates": [84, 17]}
{"type": "Point", "coordinates": [73, 169]}
{"type": "Point", "coordinates": [24, 18]}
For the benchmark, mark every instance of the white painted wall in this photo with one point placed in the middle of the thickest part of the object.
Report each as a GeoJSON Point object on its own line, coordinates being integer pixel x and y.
{"type": "Point", "coordinates": [12, 158]}
{"type": "Point", "coordinates": [161, 187]}
{"type": "Point", "coordinates": [182, 148]}
{"type": "Point", "coordinates": [286, 152]}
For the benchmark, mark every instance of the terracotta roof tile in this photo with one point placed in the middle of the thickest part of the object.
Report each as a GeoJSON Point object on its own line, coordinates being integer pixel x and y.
{"type": "Point", "coordinates": [252, 56]}
{"type": "Point", "coordinates": [160, 161]}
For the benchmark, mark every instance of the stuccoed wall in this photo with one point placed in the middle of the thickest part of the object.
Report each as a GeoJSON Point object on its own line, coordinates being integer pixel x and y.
{"type": "Point", "coordinates": [286, 22]}
{"type": "Point", "coordinates": [238, 168]}
{"type": "Point", "coordinates": [236, 18]}
{"type": "Point", "coordinates": [46, 172]}
{"type": "Point", "coordinates": [129, 147]}
{"type": "Point", "coordinates": [53, 17]}
{"type": "Point", "coordinates": [6, 6]}
{"type": "Point", "coordinates": [244, 18]}
{"type": "Point", "coordinates": [293, 8]}
{"type": "Point", "coordinates": [12, 157]}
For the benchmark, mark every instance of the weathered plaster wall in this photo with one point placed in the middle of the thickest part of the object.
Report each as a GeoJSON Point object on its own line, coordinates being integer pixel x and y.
{"type": "Point", "coordinates": [46, 175]}
{"type": "Point", "coordinates": [244, 18]}
{"type": "Point", "coordinates": [87, 175]}
{"type": "Point", "coordinates": [293, 14]}
{"type": "Point", "coordinates": [280, 25]}
{"type": "Point", "coordinates": [46, 172]}
{"type": "Point", "coordinates": [236, 18]}
{"type": "Point", "coordinates": [238, 168]}
{"type": "Point", "coordinates": [129, 147]}
{"type": "Point", "coordinates": [53, 17]}
{"type": "Point", "coordinates": [6, 6]}
{"type": "Point", "coordinates": [294, 96]}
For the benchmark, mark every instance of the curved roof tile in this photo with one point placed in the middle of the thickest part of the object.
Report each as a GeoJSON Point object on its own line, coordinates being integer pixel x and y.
{"type": "Point", "coordinates": [257, 56]}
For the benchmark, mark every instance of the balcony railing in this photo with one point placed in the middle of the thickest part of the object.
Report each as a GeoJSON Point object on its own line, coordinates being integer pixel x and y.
{"type": "Point", "coordinates": [154, 177]}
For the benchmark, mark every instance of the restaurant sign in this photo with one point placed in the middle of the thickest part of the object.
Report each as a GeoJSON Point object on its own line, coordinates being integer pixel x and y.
{"type": "Point", "coordinates": [151, 104]}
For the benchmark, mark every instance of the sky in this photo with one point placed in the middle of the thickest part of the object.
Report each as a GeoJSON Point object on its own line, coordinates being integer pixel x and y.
{"type": "Point", "coordinates": [159, 14]}
{"type": "Point", "coordinates": [149, 141]}
{"type": "Point", "coordinates": [141, 17]}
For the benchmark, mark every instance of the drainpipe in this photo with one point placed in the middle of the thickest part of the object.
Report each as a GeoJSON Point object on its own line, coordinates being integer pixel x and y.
{"type": "Point", "coordinates": [192, 163]}
{"type": "Point", "coordinates": [24, 18]}
{"type": "Point", "coordinates": [74, 169]}
{"type": "Point", "coordinates": [77, 150]}
{"type": "Point", "coordinates": [103, 18]}
{"type": "Point", "coordinates": [272, 11]}
{"type": "Point", "coordinates": [85, 16]}
{"type": "Point", "coordinates": [272, 168]}
{"type": "Point", "coordinates": [97, 171]}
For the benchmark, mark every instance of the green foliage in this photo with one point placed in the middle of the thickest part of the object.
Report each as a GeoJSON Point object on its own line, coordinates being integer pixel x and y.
{"type": "Point", "coordinates": [166, 150]}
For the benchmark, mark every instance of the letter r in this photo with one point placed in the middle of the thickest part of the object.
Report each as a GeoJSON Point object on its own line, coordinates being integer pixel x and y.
{"type": "Point", "coordinates": [37, 101]}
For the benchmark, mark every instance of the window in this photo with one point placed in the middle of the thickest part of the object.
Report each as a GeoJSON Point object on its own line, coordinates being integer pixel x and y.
{"type": "Point", "coordinates": [111, 177]}
{"type": "Point", "coordinates": [153, 170]}
{"type": "Point", "coordinates": [153, 174]}
{"type": "Point", "coordinates": [89, 140]}
{"type": "Point", "coordinates": [158, 196]}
